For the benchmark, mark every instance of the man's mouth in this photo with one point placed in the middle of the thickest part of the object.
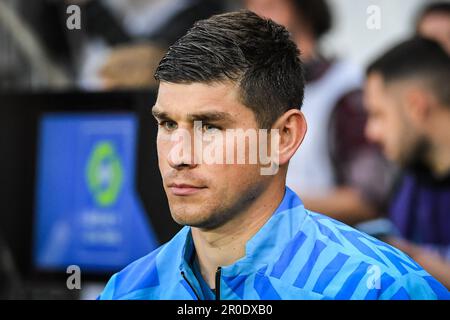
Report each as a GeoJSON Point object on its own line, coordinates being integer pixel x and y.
{"type": "Point", "coordinates": [183, 189]}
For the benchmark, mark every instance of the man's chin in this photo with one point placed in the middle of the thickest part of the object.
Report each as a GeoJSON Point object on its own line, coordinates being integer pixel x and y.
{"type": "Point", "coordinates": [192, 219]}
{"type": "Point", "coordinates": [191, 222]}
{"type": "Point", "coordinates": [186, 215]}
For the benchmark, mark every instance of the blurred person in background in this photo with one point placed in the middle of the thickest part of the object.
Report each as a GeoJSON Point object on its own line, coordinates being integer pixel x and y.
{"type": "Point", "coordinates": [39, 51]}
{"type": "Point", "coordinates": [408, 100]}
{"type": "Point", "coordinates": [118, 45]}
{"type": "Point", "coordinates": [154, 25]}
{"type": "Point", "coordinates": [336, 170]}
{"type": "Point", "coordinates": [125, 39]}
{"type": "Point", "coordinates": [434, 22]}
{"type": "Point", "coordinates": [26, 62]}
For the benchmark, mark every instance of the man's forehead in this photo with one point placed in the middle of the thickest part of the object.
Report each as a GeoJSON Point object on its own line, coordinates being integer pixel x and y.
{"type": "Point", "coordinates": [199, 92]}
{"type": "Point", "coordinates": [382, 96]}
{"type": "Point", "coordinates": [374, 91]}
{"type": "Point", "coordinates": [378, 85]}
{"type": "Point", "coordinates": [185, 100]}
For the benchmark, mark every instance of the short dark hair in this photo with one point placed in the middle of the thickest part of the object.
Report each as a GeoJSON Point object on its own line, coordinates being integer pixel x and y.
{"type": "Point", "coordinates": [417, 58]}
{"type": "Point", "coordinates": [256, 53]}
{"type": "Point", "coordinates": [317, 15]}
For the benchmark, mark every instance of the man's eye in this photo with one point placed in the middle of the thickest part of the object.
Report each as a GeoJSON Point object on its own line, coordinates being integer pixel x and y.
{"type": "Point", "coordinates": [210, 128]}
{"type": "Point", "coordinates": [168, 125]}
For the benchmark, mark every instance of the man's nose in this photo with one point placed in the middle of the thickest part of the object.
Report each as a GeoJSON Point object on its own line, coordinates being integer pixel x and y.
{"type": "Point", "coordinates": [182, 152]}
{"type": "Point", "coordinates": [180, 162]}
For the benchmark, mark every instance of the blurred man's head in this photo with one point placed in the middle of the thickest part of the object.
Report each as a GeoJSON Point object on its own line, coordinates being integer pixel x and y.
{"type": "Point", "coordinates": [434, 23]}
{"type": "Point", "coordinates": [307, 20]}
{"type": "Point", "coordinates": [408, 100]}
{"type": "Point", "coordinates": [231, 71]}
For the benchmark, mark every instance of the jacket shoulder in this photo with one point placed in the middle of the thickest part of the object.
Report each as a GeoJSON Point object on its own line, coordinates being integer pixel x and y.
{"type": "Point", "coordinates": [364, 267]}
{"type": "Point", "coordinates": [145, 273]}
{"type": "Point", "coordinates": [140, 274]}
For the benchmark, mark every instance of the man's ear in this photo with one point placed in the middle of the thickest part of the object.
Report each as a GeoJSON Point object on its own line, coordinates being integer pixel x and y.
{"type": "Point", "coordinates": [292, 129]}
{"type": "Point", "coordinates": [418, 103]}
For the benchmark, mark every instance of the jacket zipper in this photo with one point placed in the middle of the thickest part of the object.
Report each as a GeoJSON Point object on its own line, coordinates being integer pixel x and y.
{"type": "Point", "coordinates": [218, 272]}
{"type": "Point", "coordinates": [190, 285]}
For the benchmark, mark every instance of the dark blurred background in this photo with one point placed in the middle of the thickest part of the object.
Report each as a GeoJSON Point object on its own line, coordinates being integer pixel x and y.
{"type": "Point", "coordinates": [80, 181]}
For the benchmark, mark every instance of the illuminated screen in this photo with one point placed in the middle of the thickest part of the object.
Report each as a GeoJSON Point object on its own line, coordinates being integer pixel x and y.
{"type": "Point", "coordinates": [88, 212]}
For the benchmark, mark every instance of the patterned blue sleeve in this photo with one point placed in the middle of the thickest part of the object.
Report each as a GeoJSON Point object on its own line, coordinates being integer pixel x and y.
{"type": "Point", "coordinates": [416, 287]}
{"type": "Point", "coordinates": [108, 292]}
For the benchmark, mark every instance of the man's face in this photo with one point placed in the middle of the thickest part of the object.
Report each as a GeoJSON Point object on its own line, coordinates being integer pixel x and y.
{"type": "Point", "coordinates": [280, 11]}
{"type": "Point", "coordinates": [203, 195]}
{"type": "Point", "coordinates": [436, 26]}
{"type": "Point", "coordinates": [388, 124]}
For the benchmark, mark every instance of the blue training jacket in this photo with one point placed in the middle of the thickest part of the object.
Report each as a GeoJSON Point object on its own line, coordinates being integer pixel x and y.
{"type": "Point", "coordinates": [297, 254]}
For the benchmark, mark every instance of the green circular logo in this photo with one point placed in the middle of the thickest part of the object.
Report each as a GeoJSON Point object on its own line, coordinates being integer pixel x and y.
{"type": "Point", "coordinates": [104, 173]}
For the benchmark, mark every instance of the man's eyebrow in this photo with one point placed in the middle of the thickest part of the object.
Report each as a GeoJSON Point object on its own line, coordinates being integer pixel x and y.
{"type": "Point", "coordinates": [159, 114]}
{"type": "Point", "coordinates": [200, 116]}
{"type": "Point", "coordinates": [210, 116]}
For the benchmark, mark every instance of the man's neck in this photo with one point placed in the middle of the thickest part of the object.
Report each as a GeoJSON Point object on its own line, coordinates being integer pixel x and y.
{"type": "Point", "coordinates": [440, 160]}
{"type": "Point", "coordinates": [439, 155]}
{"type": "Point", "coordinates": [225, 245]}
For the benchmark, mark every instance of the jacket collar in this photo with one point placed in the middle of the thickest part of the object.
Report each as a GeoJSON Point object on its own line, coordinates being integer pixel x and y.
{"type": "Point", "coordinates": [261, 248]}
